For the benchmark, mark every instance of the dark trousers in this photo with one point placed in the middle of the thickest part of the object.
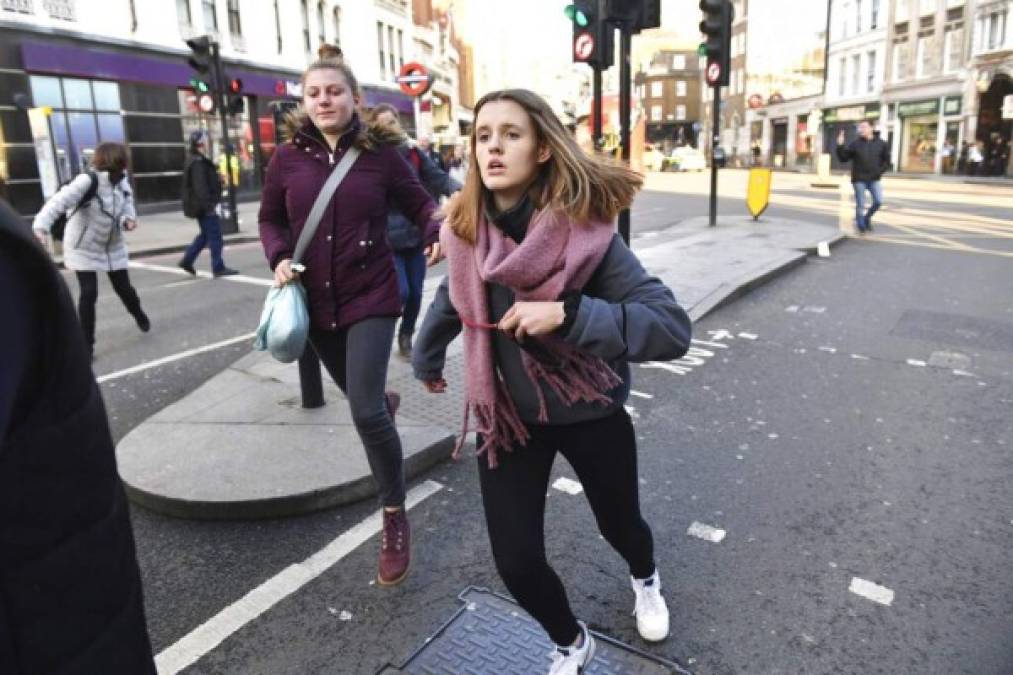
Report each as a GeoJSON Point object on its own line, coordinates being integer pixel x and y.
{"type": "Point", "coordinates": [356, 358]}
{"type": "Point", "coordinates": [411, 276]}
{"type": "Point", "coordinates": [210, 236]}
{"type": "Point", "coordinates": [603, 453]}
{"type": "Point", "coordinates": [88, 283]}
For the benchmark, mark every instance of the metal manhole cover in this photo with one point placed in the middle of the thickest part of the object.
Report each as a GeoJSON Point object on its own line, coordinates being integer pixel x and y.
{"type": "Point", "coordinates": [490, 634]}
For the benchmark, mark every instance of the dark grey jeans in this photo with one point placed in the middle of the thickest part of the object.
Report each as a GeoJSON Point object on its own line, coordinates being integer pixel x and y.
{"type": "Point", "coordinates": [356, 357]}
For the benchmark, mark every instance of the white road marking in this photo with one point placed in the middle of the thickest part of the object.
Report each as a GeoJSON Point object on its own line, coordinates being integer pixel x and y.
{"type": "Point", "coordinates": [859, 357]}
{"type": "Point", "coordinates": [640, 394]}
{"type": "Point", "coordinates": [568, 485]}
{"type": "Point", "coordinates": [814, 310]}
{"type": "Point", "coordinates": [791, 308]}
{"type": "Point", "coordinates": [963, 373]}
{"type": "Point", "coordinates": [708, 343]}
{"type": "Point", "coordinates": [670, 367]}
{"type": "Point", "coordinates": [871, 591]}
{"type": "Point", "coordinates": [193, 646]}
{"type": "Point", "coordinates": [147, 365]}
{"type": "Point", "coordinates": [235, 278]}
{"type": "Point", "coordinates": [829, 350]}
{"type": "Point", "coordinates": [748, 336]}
{"type": "Point", "coordinates": [917, 363]}
{"type": "Point", "coordinates": [632, 412]}
{"type": "Point", "coordinates": [706, 532]}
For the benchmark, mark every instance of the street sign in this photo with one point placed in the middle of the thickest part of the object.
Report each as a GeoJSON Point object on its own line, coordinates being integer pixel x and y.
{"type": "Point", "coordinates": [583, 46]}
{"type": "Point", "coordinates": [713, 72]}
{"type": "Point", "coordinates": [414, 79]}
{"type": "Point", "coordinates": [758, 192]}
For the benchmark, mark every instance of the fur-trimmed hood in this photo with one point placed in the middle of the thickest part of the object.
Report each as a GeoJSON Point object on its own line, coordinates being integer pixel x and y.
{"type": "Point", "coordinates": [368, 136]}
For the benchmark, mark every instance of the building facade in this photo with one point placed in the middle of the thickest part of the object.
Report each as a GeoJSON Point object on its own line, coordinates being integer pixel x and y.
{"type": "Point", "coordinates": [988, 87]}
{"type": "Point", "coordinates": [670, 98]}
{"type": "Point", "coordinates": [116, 70]}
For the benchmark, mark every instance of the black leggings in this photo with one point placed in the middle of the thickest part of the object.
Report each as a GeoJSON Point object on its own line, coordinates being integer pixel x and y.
{"type": "Point", "coordinates": [88, 282]}
{"type": "Point", "coordinates": [603, 453]}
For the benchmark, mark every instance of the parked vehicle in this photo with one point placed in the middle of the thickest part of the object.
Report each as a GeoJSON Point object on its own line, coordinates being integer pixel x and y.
{"type": "Point", "coordinates": [653, 159]}
{"type": "Point", "coordinates": [685, 158]}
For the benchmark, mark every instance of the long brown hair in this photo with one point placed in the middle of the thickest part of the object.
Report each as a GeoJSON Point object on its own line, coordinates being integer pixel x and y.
{"type": "Point", "coordinates": [585, 187]}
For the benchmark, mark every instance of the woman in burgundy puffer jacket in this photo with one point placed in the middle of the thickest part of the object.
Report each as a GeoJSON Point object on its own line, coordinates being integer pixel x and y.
{"type": "Point", "coordinates": [350, 278]}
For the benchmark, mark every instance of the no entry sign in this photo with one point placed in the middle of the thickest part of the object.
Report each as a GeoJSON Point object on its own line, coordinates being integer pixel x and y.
{"type": "Point", "coordinates": [414, 79]}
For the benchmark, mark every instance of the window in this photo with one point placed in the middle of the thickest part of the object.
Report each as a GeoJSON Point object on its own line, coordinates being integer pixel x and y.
{"type": "Point", "coordinates": [655, 113]}
{"type": "Point", "coordinates": [900, 13]}
{"type": "Point", "coordinates": [305, 11]}
{"type": "Point", "coordinates": [400, 49]}
{"type": "Point", "coordinates": [679, 62]}
{"type": "Point", "coordinates": [337, 26]}
{"type": "Point", "coordinates": [921, 57]}
{"type": "Point", "coordinates": [183, 13]}
{"type": "Point", "coordinates": [85, 113]}
{"type": "Point", "coordinates": [874, 19]}
{"type": "Point", "coordinates": [390, 52]}
{"type": "Point", "coordinates": [680, 88]}
{"type": "Point", "coordinates": [856, 72]}
{"type": "Point", "coordinates": [210, 16]}
{"type": "Point", "coordinates": [994, 33]}
{"type": "Point", "coordinates": [22, 6]}
{"type": "Point", "coordinates": [953, 48]}
{"type": "Point", "coordinates": [277, 24]}
{"type": "Point", "coordinates": [842, 75]}
{"type": "Point", "coordinates": [742, 81]}
{"type": "Point", "coordinates": [845, 19]}
{"type": "Point", "coordinates": [926, 7]}
{"type": "Point", "coordinates": [899, 62]}
{"type": "Point", "coordinates": [680, 112]}
{"type": "Point", "coordinates": [858, 16]}
{"type": "Point", "coordinates": [235, 27]}
{"type": "Point", "coordinates": [383, 57]}
{"type": "Point", "coordinates": [321, 30]}
{"type": "Point", "coordinates": [870, 71]}
{"type": "Point", "coordinates": [657, 89]}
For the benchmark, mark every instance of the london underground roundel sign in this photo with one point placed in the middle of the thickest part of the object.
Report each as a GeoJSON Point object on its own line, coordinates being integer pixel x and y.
{"type": "Point", "coordinates": [414, 79]}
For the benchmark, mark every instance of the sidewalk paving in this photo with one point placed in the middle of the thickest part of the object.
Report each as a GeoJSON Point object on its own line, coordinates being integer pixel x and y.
{"type": "Point", "coordinates": [241, 446]}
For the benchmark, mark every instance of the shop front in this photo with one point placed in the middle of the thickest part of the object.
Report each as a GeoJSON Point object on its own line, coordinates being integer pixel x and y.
{"type": "Point", "coordinates": [919, 135]}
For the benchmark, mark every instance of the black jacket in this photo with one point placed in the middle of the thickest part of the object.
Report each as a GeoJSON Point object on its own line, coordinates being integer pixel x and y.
{"type": "Point", "coordinates": [869, 159]}
{"type": "Point", "coordinates": [70, 588]}
{"type": "Point", "coordinates": [202, 187]}
{"type": "Point", "coordinates": [402, 232]}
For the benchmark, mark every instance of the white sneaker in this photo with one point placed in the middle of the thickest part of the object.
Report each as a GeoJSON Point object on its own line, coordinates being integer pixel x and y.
{"type": "Point", "coordinates": [573, 660]}
{"type": "Point", "coordinates": [650, 608]}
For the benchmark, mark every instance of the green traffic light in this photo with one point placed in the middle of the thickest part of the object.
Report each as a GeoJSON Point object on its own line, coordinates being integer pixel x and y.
{"type": "Point", "coordinates": [574, 14]}
{"type": "Point", "coordinates": [200, 86]}
{"type": "Point", "coordinates": [701, 49]}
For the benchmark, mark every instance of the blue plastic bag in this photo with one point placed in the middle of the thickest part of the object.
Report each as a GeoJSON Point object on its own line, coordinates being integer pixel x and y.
{"type": "Point", "coordinates": [284, 323]}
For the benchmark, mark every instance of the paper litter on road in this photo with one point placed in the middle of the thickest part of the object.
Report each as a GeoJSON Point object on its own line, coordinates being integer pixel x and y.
{"type": "Point", "coordinates": [568, 486]}
{"type": "Point", "coordinates": [871, 591]}
{"type": "Point", "coordinates": [706, 532]}
{"type": "Point", "coordinates": [823, 249]}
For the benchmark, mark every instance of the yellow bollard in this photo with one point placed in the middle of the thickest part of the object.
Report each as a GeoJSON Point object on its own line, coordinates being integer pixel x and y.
{"type": "Point", "coordinates": [846, 209]}
{"type": "Point", "coordinates": [758, 191]}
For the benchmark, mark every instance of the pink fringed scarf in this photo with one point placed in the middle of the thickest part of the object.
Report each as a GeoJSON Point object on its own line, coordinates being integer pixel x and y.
{"type": "Point", "coordinates": [556, 256]}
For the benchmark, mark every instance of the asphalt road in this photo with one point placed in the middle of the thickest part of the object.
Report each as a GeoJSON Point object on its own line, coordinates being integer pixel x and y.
{"type": "Point", "coordinates": [824, 429]}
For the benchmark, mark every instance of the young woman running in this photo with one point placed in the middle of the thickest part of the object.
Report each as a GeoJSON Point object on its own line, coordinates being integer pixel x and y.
{"type": "Point", "coordinates": [553, 306]}
{"type": "Point", "coordinates": [350, 281]}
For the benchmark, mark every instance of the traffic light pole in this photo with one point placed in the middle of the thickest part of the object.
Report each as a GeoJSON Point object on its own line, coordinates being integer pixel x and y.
{"type": "Point", "coordinates": [625, 40]}
{"type": "Point", "coordinates": [715, 141]}
{"type": "Point", "coordinates": [231, 224]}
{"type": "Point", "coordinates": [596, 109]}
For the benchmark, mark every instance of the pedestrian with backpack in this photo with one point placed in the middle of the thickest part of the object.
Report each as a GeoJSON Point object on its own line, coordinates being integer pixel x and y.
{"type": "Point", "coordinates": [99, 207]}
{"type": "Point", "coordinates": [553, 306]}
{"type": "Point", "coordinates": [202, 190]}
{"type": "Point", "coordinates": [353, 172]}
{"type": "Point", "coordinates": [405, 238]}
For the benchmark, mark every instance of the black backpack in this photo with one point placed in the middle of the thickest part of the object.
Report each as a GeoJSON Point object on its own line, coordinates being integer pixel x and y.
{"type": "Point", "coordinates": [60, 224]}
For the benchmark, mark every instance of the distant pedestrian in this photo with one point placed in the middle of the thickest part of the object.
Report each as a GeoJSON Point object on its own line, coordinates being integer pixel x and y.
{"type": "Point", "coordinates": [202, 190]}
{"type": "Point", "coordinates": [975, 158]}
{"type": "Point", "coordinates": [70, 588]}
{"type": "Point", "coordinates": [99, 206]}
{"type": "Point", "coordinates": [426, 143]}
{"type": "Point", "coordinates": [553, 306]}
{"type": "Point", "coordinates": [962, 158]}
{"type": "Point", "coordinates": [405, 237]}
{"type": "Point", "coordinates": [350, 279]}
{"type": "Point", "coordinates": [870, 158]}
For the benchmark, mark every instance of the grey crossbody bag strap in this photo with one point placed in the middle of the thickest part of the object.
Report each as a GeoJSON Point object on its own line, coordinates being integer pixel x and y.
{"type": "Point", "coordinates": [320, 205]}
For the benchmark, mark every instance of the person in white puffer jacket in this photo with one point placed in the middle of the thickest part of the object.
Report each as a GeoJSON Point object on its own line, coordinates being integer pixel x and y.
{"type": "Point", "coordinates": [93, 240]}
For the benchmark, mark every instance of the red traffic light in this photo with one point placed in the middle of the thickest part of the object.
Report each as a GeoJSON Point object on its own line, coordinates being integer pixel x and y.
{"type": "Point", "coordinates": [235, 86]}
